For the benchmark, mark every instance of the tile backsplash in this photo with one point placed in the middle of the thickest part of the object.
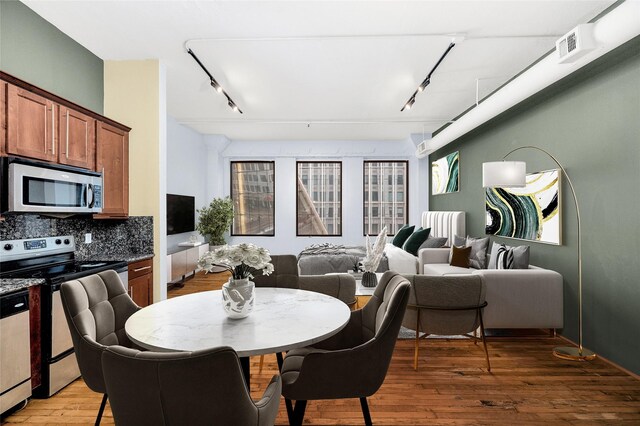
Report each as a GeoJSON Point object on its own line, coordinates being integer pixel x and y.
{"type": "Point", "coordinates": [111, 238]}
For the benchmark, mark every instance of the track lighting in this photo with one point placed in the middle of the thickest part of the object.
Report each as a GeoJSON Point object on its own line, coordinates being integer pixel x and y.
{"type": "Point", "coordinates": [216, 86]}
{"type": "Point", "coordinates": [427, 79]}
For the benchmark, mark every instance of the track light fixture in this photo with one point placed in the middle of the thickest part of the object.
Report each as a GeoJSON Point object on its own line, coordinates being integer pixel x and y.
{"type": "Point", "coordinates": [216, 86]}
{"type": "Point", "coordinates": [427, 79]}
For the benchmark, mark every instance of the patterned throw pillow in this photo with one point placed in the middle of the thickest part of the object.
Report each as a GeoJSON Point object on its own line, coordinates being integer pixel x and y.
{"type": "Point", "coordinates": [479, 248]}
{"type": "Point", "coordinates": [507, 257]}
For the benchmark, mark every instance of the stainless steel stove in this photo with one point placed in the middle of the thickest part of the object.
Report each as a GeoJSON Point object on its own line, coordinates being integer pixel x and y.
{"type": "Point", "coordinates": [52, 259]}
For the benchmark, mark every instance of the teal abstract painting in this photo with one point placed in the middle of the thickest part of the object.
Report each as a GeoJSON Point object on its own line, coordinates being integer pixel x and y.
{"type": "Point", "coordinates": [528, 213]}
{"type": "Point", "coordinates": [444, 174]}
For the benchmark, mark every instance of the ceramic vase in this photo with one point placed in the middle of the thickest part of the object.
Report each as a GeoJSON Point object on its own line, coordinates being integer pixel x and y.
{"type": "Point", "coordinates": [369, 279]}
{"type": "Point", "coordinates": [238, 297]}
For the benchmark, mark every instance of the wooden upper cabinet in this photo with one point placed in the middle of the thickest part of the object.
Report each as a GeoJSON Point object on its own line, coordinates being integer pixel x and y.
{"type": "Point", "coordinates": [3, 118]}
{"type": "Point", "coordinates": [31, 125]}
{"type": "Point", "coordinates": [112, 159]}
{"type": "Point", "coordinates": [77, 139]}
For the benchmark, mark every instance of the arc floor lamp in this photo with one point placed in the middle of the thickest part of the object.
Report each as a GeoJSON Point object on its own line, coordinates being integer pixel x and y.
{"type": "Point", "coordinates": [513, 174]}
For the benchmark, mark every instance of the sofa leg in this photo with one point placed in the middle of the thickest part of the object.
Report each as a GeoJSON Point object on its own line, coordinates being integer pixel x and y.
{"type": "Point", "coordinates": [484, 341]}
{"type": "Point", "coordinates": [417, 345]}
{"type": "Point", "coordinates": [365, 411]}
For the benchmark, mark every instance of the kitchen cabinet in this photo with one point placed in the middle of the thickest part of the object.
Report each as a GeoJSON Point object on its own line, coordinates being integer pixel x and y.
{"type": "Point", "coordinates": [112, 160]}
{"type": "Point", "coordinates": [77, 139]}
{"type": "Point", "coordinates": [31, 125]}
{"type": "Point", "coordinates": [141, 282]}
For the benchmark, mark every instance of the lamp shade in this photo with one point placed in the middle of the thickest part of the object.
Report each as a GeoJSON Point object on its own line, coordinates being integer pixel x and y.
{"type": "Point", "coordinates": [504, 174]}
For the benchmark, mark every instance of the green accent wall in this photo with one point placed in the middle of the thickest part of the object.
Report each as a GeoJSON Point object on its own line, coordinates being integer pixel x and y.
{"type": "Point", "coordinates": [591, 122]}
{"type": "Point", "coordinates": [34, 50]}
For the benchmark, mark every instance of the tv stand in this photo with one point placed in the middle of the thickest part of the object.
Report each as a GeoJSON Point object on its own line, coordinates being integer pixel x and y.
{"type": "Point", "coordinates": [182, 263]}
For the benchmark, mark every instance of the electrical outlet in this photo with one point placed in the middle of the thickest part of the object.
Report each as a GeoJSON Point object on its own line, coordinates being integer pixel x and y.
{"type": "Point", "coordinates": [87, 238]}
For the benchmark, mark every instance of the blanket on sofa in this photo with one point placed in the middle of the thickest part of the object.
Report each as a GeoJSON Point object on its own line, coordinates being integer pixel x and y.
{"type": "Point", "coordinates": [319, 259]}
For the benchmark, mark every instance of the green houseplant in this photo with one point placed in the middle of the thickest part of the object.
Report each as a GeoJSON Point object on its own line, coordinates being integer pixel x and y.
{"type": "Point", "coordinates": [215, 219]}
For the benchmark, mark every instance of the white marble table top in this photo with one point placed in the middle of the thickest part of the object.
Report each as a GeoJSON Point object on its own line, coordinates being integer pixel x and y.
{"type": "Point", "coordinates": [282, 319]}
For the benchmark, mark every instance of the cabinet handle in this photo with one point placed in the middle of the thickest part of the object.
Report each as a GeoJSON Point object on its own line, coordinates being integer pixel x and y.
{"type": "Point", "coordinates": [67, 148]}
{"type": "Point", "coordinates": [142, 269]}
{"type": "Point", "coordinates": [53, 130]}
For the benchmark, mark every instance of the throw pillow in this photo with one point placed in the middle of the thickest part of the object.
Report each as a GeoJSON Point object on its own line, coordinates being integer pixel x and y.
{"type": "Point", "coordinates": [506, 257]}
{"type": "Point", "coordinates": [415, 241]}
{"type": "Point", "coordinates": [459, 241]}
{"type": "Point", "coordinates": [460, 256]}
{"type": "Point", "coordinates": [434, 242]}
{"type": "Point", "coordinates": [479, 248]}
{"type": "Point", "coordinates": [402, 235]}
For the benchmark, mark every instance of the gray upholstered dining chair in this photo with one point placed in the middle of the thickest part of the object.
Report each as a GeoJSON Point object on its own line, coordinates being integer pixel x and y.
{"type": "Point", "coordinates": [96, 307]}
{"type": "Point", "coordinates": [184, 388]}
{"type": "Point", "coordinates": [285, 275]}
{"type": "Point", "coordinates": [354, 362]}
{"type": "Point", "coordinates": [446, 305]}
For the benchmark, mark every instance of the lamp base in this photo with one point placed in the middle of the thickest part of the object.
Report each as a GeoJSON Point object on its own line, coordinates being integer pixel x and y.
{"type": "Point", "coordinates": [573, 354]}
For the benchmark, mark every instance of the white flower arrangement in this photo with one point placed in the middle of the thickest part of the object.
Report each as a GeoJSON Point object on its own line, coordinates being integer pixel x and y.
{"type": "Point", "coordinates": [241, 260]}
{"type": "Point", "coordinates": [374, 253]}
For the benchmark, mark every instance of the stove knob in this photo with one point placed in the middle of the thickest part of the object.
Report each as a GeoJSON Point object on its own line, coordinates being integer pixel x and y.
{"type": "Point", "coordinates": [8, 247]}
{"type": "Point", "coordinates": [58, 241]}
{"type": "Point", "coordinates": [66, 241]}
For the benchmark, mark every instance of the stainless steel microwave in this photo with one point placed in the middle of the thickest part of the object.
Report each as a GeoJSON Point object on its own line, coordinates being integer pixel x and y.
{"type": "Point", "coordinates": [32, 186]}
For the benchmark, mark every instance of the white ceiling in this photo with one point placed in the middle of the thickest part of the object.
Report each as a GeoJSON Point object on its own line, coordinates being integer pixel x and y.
{"type": "Point", "coordinates": [322, 69]}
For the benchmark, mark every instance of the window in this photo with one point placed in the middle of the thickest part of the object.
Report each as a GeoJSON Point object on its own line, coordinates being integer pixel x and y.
{"type": "Point", "coordinates": [319, 198]}
{"type": "Point", "coordinates": [253, 205]}
{"type": "Point", "coordinates": [385, 202]}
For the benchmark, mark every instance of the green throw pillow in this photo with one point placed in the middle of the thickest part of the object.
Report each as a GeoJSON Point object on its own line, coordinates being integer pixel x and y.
{"type": "Point", "coordinates": [413, 243]}
{"type": "Point", "coordinates": [402, 235]}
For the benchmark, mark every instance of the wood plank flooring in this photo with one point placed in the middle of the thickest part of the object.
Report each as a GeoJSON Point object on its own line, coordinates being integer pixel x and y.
{"type": "Point", "coordinates": [527, 386]}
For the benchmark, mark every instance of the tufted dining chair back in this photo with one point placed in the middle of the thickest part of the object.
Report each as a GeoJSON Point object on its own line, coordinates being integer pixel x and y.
{"type": "Point", "coordinates": [96, 308]}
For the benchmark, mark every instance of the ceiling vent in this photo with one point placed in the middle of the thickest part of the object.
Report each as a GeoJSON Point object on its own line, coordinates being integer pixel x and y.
{"type": "Point", "coordinates": [576, 43]}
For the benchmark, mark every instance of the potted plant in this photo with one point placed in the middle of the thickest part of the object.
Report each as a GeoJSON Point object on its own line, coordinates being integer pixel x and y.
{"type": "Point", "coordinates": [215, 219]}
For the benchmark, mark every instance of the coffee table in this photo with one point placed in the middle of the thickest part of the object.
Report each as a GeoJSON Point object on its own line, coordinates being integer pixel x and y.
{"type": "Point", "coordinates": [363, 294]}
{"type": "Point", "coordinates": [282, 319]}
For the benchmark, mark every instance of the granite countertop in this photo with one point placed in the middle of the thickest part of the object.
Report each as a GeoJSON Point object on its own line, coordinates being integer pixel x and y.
{"type": "Point", "coordinates": [129, 258]}
{"type": "Point", "coordinates": [9, 285]}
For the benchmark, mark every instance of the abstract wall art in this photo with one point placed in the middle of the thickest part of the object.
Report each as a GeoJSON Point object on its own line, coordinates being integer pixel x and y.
{"type": "Point", "coordinates": [528, 213]}
{"type": "Point", "coordinates": [444, 174]}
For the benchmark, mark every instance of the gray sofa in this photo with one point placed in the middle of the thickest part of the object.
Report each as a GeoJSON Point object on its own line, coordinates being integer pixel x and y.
{"type": "Point", "coordinates": [517, 298]}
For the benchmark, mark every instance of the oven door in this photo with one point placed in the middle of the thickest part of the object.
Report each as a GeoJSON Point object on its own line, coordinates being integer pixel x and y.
{"type": "Point", "coordinates": [50, 190]}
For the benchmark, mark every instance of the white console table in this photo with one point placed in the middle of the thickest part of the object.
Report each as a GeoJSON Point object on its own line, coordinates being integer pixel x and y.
{"type": "Point", "coordinates": [183, 261]}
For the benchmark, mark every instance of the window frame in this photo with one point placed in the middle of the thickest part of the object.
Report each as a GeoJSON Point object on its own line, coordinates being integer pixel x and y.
{"type": "Point", "coordinates": [273, 163]}
{"type": "Point", "coordinates": [381, 199]}
{"type": "Point", "coordinates": [298, 234]}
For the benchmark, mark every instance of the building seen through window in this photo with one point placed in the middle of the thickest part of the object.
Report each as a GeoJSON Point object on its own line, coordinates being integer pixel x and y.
{"type": "Point", "coordinates": [319, 198]}
{"type": "Point", "coordinates": [253, 195]}
{"type": "Point", "coordinates": [385, 196]}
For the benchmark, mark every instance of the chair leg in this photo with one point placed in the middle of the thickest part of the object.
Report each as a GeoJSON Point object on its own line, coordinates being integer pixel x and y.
{"type": "Point", "coordinates": [484, 342]}
{"type": "Point", "coordinates": [475, 336]}
{"type": "Point", "coordinates": [280, 360]}
{"type": "Point", "coordinates": [101, 410]}
{"type": "Point", "coordinates": [417, 345]}
{"type": "Point", "coordinates": [261, 363]}
{"type": "Point", "coordinates": [365, 411]}
{"type": "Point", "coordinates": [289, 405]}
{"type": "Point", "coordinates": [298, 413]}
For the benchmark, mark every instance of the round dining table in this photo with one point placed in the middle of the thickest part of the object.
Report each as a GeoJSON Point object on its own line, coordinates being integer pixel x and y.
{"type": "Point", "coordinates": [282, 319]}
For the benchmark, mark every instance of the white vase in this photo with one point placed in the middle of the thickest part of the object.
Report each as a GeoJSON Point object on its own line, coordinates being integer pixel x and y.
{"type": "Point", "coordinates": [238, 297]}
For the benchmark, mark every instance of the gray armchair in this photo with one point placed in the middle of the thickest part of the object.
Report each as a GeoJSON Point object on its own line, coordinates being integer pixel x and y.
{"type": "Point", "coordinates": [446, 305]}
{"type": "Point", "coordinates": [354, 362]}
{"type": "Point", "coordinates": [184, 388]}
{"type": "Point", "coordinates": [96, 308]}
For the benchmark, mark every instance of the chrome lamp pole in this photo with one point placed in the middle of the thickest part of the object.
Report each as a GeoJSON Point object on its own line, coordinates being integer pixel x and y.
{"type": "Point", "coordinates": [513, 174]}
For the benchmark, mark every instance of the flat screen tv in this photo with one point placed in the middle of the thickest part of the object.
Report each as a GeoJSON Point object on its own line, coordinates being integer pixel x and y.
{"type": "Point", "coordinates": [181, 214]}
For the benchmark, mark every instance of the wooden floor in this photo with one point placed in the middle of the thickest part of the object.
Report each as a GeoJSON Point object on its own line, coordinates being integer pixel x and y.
{"type": "Point", "coordinates": [527, 386]}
